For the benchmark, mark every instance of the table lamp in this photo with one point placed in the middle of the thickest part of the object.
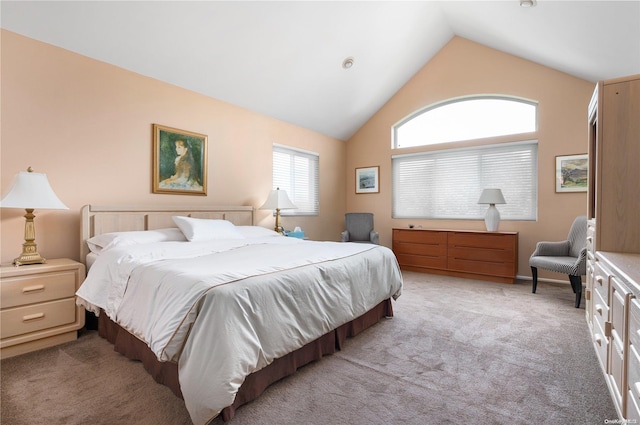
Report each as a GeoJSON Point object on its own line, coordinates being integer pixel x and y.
{"type": "Point", "coordinates": [31, 191]}
{"type": "Point", "coordinates": [492, 197]}
{"type": "Point", "coordinates": [278, 200]}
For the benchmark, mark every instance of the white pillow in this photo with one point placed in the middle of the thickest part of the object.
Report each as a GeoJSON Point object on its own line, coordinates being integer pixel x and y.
{"type": "Point", "coordinates": [203, 229]}
{"type": "Point", "coordinates": [105, 241]}
{"type": "Point", "coordinates": [256, 231]}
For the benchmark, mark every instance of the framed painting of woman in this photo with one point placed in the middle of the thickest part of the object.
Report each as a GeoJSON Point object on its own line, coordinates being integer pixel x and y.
{"type": "Point", "coordinates": [179, 161]}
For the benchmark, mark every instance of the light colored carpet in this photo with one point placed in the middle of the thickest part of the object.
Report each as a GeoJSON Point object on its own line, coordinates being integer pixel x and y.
{"type": "Point", "coordinates": [457, 352]}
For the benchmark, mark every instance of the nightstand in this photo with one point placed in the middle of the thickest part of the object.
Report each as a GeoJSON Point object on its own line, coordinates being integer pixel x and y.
{"type": "Point", "coordinates": [38, 305]}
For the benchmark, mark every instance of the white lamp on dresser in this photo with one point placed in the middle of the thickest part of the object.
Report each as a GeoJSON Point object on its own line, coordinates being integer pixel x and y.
{"type": "Point", "coordinates": [492, 197]}
{"type": "Point", "coordinates": [31, 191]}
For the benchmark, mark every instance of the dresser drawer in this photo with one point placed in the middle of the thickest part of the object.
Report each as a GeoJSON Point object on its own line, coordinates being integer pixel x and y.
{"type": "Point", "coordinates": [617, 376]}
{"type": "Point", "coordinates": [591, 231]}
{"type": "Point", "coordinates": [482, 267]}
{"type": "Point", "coordinates": [601, 283]}
{"type": "Point", "coordinates": [591, 262]}
{"type": "Point", "coordinates": [411, 248]}
{"type": "Point", "coordinates": [633, 412]}
{"type": "Point", "coordinates": [420, 236]}
{"type": "Point", "coordinates": [634, 323]}
{"type": "Point", "coordinates": [601, 344]}
{"type": "Point", "coordinates": [484, 241]}
{"type": "Point", "coordinates": [23, 290]}
{"type": "Point", "coordinates": [620, 298]}
{"type": "Point", "coordinates": [31, 318]}
{"type": "Point", "coordinates": [429, 261]}
{"type": "Point", "coordinates": [600, 310]}
{"type": "Point", "coordinates": [489, 255]}
{"type": "Point", "coordinates": [634, 372]}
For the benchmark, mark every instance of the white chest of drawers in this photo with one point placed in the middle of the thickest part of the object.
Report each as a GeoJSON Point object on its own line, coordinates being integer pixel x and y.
{"type": "Point", "coordinates": [38, 306]}
{"type": "Point", "coordinates": [615, 327]}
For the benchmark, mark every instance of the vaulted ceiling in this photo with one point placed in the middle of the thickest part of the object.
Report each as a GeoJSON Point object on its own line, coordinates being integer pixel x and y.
{"type": "Point", "coordinates": [284, 59]}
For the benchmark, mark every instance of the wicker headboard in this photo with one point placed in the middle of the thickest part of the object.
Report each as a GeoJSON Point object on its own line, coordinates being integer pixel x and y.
{"type": "Point", "coordinates": [97, 220]}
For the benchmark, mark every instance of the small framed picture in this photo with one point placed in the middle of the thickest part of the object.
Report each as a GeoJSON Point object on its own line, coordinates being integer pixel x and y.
{"type": "Point", "coordinates": [179, 161]}
{"type": "Point", "coordinates": [572, 173]}
{"type": "Point", "coordinates": [367, 180]}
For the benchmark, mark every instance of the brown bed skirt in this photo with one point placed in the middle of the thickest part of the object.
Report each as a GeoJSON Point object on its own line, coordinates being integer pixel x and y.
{"type": "Point", "coordinates": [166, 373]}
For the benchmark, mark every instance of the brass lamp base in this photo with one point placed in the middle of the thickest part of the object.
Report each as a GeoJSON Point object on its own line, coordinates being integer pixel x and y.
{"type": "Point", "coordinates": [23, 260]}
{"type": "Point", "coordinates": [278, 228]}
{"type": "Point", "coordinates": [30, 253]}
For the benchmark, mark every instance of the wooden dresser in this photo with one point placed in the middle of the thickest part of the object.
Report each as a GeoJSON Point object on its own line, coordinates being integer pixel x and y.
{"type": "Point", "coordinates": [39, 305]}
{"type": "Point", "coordinates": [472, 254]}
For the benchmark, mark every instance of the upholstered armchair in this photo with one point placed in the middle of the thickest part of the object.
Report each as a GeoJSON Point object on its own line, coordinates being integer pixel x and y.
{"type": "Point", "coordinates": [359, 228]}
{"type": "Point", "coordinates": [568, 257]}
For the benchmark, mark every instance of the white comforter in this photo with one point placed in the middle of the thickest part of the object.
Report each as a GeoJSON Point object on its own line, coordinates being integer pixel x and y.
{"type": "Point", "coordinates": [225, 309]}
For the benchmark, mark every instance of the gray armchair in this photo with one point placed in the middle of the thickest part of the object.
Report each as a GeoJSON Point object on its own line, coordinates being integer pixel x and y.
{"type": "Point", "coordinates": [568, 257]}
{"type": "Point", "coordinates": [359, 228]}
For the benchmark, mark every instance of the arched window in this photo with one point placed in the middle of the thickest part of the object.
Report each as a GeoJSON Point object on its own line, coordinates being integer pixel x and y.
{"type": "Point", "coordinates": [447, 183]}
{"type": "Point", "coordinates": [467, 118]}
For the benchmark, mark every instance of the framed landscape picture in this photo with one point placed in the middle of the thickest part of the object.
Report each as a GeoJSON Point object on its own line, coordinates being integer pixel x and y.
{"type": "Point", "coordinates": [179, 161]}
{"type": "Point", "coordinates": [572, 173]}
{"type": "Point", "coordinates": [367, 180]}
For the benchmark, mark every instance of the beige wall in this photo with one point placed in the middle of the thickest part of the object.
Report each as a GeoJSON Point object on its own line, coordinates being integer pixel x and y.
{"type": "Point", "coordinates": [87, 125]}
{"type": "Point", "coordinates": [464, 68]}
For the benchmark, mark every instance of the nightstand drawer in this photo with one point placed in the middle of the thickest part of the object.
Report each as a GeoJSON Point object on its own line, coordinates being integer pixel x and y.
{"type": "Point", "coordinates": [23, 290]}
{"type": "Point", "coordinates": [23, 320]}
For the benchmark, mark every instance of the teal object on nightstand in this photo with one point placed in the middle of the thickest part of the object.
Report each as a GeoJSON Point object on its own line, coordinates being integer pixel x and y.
{"type": "Point", "coordinates": [299, 235]}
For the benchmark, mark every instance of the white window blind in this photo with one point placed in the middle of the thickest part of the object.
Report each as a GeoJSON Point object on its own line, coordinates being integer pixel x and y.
{"type": "Point", "coordinates": [296, 171]}
{"type": "Point", "coordinates": [447, 184]}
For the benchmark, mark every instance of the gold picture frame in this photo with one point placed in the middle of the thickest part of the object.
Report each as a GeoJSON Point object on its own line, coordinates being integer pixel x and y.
{"type": "Point", "coordinates": [572, 172]}
{"type": "Point", "coordinates": [179, 161]}
{"type": "Point", "coordinates": [368, 179]}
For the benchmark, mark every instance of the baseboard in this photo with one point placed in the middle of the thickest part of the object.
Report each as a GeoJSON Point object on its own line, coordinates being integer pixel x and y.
{"type": "Point", "coordinates": [546, 280]}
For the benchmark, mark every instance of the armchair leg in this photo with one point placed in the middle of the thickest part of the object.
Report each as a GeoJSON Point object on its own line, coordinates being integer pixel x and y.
{"type": "Point", "coordinates": [576, 285]}
{"type": "Point", "coordinates": [534, 274]}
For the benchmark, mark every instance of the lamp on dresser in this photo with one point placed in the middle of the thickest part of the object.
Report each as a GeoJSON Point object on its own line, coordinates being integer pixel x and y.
{"type": "Point", "coordinates": [31, 191]}
{"type": "Point", "coordinates": [492, 217]}
{"type": "Point", "coordinates": [278, 200]}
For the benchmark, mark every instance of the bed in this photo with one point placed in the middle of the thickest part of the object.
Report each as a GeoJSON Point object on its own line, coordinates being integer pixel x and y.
{"type": "Point", "coordinates": [216, 308]}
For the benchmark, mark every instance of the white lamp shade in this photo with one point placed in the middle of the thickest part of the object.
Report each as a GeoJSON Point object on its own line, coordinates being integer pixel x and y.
{"type": "Point", "coordinates": [33, 191]}
{"type": "Point", "coordinates": [491, 196]}
{"type": "Point", "coordinates": [278, 199]}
